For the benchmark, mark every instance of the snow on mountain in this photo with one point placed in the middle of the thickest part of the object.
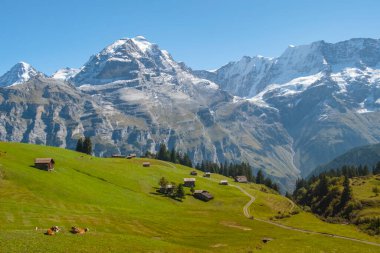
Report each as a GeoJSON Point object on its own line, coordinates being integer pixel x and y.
{"type": "Point", "coordinates": [19, 73]}
{"type": "Point", "coordinates": [126, 59]}
{"type": "Point", "coordinates": [65, 73]}
{"type": "Point", "coordinates": [249, 76]}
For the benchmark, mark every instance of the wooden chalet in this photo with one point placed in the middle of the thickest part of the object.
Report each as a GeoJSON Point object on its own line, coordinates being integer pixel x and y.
{"type": "Point", "coordinates": [202, 195]}
{"type": "Point", "coordinates": [193, 173]}
{"type": "Point", "coordinates": [146, 164]}
{"type": "Point", "coordinates": [132, 155]}
{"type": "Point", "coordinates": [241, 179]}
{"type": "Point", "coordinates": [118, 156]}
{"type": "Point", "coordinates": [167, 189]}
{"type": "Point", "coordinates": [189, 182]}
{"type": "Point", "coordinates": [223, 182]}
{"type": "Point", "coordinates": [207, 174]}
{"type": "Point", "coordinates": [44, 163]}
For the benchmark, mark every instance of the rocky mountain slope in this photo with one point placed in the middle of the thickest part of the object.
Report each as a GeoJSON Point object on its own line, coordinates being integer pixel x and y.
{"type": "Point", "coordinates": [368, 155]}
{"type": "Point", "coordinates": [286, 115]}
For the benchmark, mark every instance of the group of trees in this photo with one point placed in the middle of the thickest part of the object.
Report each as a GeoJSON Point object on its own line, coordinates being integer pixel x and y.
{"type": "Point", "coordinates": [226, 169]}
{"type": "Point", "coordinates": [237, 169]}
{"type": "Point", "coordinates": [175, 191]}
{"type": "Point", "coordinates": [326, 195]}
{"type": "Point", "coordinates": [173, 156]}
{"type": "Point", "coordinates": [84, 145]}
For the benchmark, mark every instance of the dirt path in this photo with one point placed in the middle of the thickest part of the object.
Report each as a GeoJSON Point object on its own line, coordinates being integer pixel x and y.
{"type": "Point", "coordinates": [248, 215]}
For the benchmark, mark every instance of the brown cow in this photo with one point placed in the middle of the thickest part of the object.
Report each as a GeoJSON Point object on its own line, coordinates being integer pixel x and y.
{"type": "Point", "coordinates": [52, 230]}
{"type": "Point", "coordinates": [76, 230]}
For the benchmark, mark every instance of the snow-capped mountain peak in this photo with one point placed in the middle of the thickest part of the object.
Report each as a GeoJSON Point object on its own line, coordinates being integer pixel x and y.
{"type": "Point", "coordinates": [19, 73]}
{"type": "Point", "coordinates": [126, 59]}
{"type": "Point", "coordinates": [65, 73]}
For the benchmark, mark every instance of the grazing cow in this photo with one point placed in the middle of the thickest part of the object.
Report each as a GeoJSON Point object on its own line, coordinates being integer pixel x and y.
{"type": "Point", "coordinates": [76, 230]}
{"type": "Point", "coordinates": [52, 230]}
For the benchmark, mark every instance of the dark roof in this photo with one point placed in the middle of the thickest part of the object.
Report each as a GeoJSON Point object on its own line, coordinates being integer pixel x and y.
{"type": "Point", "coordinates": [44, 160]}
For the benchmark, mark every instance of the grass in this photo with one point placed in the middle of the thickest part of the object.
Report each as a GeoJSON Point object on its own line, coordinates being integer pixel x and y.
{"type": "Point", "coordinates": [115, 198]}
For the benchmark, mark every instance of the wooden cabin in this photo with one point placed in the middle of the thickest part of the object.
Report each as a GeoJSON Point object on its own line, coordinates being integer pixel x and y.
{"type": "Point", "coordinates": [132, 155]}
{"type": "Point", "coordinates": [223, 182]}
{"type": "Point", "coordinates": [129, 157]}
{"type": "Point", "coordinates": [193, 173]}
{"type": "Point", "coordinates": [241, 179]}
{"type": "Point", "coordinates": [44, 163]}
{"type": "Point", "coordinates": [146, 164]}
{"type": "Point", "coordinates": [189, 182]}
{"type": "Point", "coordinates": [167, 189]}
{"type": "Point", "coordinates": [207, 174]}
{"type": "Point", "coordinates": [118, 156]}
{"type": "Point", "coordinates": [203, 195]}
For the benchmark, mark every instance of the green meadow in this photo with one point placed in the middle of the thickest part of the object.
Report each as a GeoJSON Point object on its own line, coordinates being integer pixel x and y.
{"type": "Point", "coordinates": [116, 199]}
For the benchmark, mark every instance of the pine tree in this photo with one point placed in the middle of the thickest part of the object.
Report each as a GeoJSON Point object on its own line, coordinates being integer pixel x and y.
{"type": "Point", "coordinates": [260, 177]}
{"type": "Point", "coordinates": [180, 193]}
{"type": "Point", "coordinates": [163, 182]}
{"type": "Point", "coordinates": [87, 146]}
{"type": "Point", "coordinates": [163, 153]}
{"type": "Point", "coordinates": [173, 156]}
{"type": "Point", "coordinates": [79, 147]}
{"type": "Point", "coordinates": [346, 194]}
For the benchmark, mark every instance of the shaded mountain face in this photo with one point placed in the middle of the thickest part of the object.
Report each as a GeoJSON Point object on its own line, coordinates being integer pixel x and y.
{"type": "Point", "coordinates": [298, 111]}
{"type": "Point", "coordinates": [368, 155]}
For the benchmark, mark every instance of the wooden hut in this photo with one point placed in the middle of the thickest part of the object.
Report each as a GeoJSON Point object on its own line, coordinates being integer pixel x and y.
{"type": "Point", "coordinates": [223, 182]}
{"type": "Point", "coordinates": [207, 174]}
{"type": "Point", "coordinates": [202, 195]}
{"type": "Point", "coordinates": [146, 164]}
{"type": "Point", "coordinates": [193, 173]}
{"type": "Point", "coordinates": [241, 179]}
{"type": "Point", "coordinates": [44, 163]}
{"type": "Point", "coordinates": [189, 182]}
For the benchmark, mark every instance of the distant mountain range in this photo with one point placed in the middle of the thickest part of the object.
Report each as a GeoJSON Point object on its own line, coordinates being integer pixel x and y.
{"type": "Point", "coordinates": [368, 155]}
{"type": "Point", "coordinates": [285, 115]}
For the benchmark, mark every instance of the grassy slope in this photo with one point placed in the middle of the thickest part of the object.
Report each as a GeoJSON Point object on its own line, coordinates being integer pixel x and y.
{"type": "Point", "coordinates": [116, 200]}
{"type": "Point", "coordinates": [362, 191]}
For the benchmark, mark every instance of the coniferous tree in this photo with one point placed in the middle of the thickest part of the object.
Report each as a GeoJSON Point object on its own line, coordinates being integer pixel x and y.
{"type": "Point", "coordinates": [180, 193]}
{"type": "Point", "coordinates": [79, 147]}
{"type": "Point", "coordinates": [163, 153]}
{"type": "Point", "coordinates": [87, 146]}
{"type": "Point", "coordinates": [260, 177]}
{"type": "Point", "coordinates": [173, 155]}
{"type": "Point", "coordinates": [346, 194]}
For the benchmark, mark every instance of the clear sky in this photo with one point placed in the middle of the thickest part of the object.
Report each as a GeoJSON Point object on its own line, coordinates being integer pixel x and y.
{"type": "Point", "coordinates": [205, 34]}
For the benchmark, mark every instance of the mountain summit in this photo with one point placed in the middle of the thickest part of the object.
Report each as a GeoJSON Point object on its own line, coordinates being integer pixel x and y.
{"type": "Point", "coordinates": [125, 59]}
{"type": "Point", "coordinates": [19, 73]}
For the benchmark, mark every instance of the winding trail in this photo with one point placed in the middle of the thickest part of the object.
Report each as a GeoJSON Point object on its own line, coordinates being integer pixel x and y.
{"type": "Point", "coordinates": [248, 215]}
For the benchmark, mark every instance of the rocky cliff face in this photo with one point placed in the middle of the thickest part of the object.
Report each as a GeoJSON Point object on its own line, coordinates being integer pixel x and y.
{"type": "Point", "coordinates": [285, 115]}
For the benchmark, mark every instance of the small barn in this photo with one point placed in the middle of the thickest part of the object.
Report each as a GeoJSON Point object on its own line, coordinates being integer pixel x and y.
{"type": "Point", "coordinates": [202, 195]}
{"type": "Point", "coordinates": [167, 189]}
{"type": "Point", "coordinates": [129, 157]}
{"type": "Point", "coordinates": [207, 174]}
{"type": "Point", "coordinates": [193, 173]}
{"type": "Point", "coordinates": [132, 155]}
{"type": "Point", "coordinates": [223, 182]}
{"type": "Point", "coordinates": [118, 156]}
{"type": "Point", "coordinates": [146, 164]}
{"type": "Point", "coordinates": [189, 182]}
{"type": "Point", "coordinates": [241, 179]}
{"type": "Point", "coordinates": [44, 163]}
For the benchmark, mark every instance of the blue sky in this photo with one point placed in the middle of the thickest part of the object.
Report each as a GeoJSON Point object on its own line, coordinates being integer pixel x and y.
{"type": "Point", "coordinates": [205, 34]}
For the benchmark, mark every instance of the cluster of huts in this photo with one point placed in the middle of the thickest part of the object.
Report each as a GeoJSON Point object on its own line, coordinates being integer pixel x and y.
{"type": "Point", "coordinates": [203, 194]}
{"type": "Point", "coordinates": [48, 165]}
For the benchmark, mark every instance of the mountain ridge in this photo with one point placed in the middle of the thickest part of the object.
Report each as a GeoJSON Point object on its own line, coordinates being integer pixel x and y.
{"type": "Point", "coordinates": [133, 96]}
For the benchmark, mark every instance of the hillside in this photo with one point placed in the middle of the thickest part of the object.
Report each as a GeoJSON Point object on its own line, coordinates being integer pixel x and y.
{"type": "Point", "coordinates": [365, 155]}
{"type": "Point", "coordinates": [116, 199]}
